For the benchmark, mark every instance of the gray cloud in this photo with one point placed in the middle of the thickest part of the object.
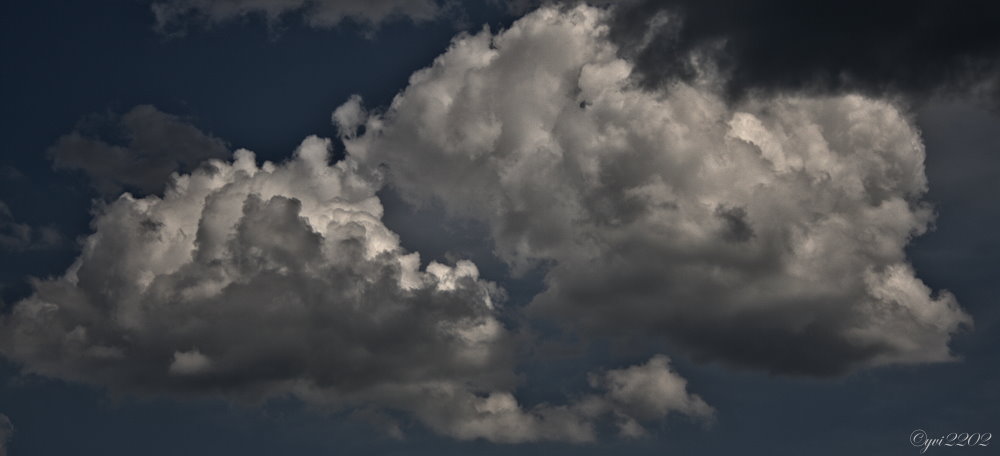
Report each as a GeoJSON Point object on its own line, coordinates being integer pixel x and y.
{"type": "Point", "coordinates": [256, 281]}
{"type": "Point", "coordinates": [629, 396]}
{"type": "Point", "coordinates": [825, 46]}
{"type": "Point", "coordinates": [252, 281]}
{"type": "Point", "coordinates": [768, 233]}
{"type": "Point", "coordinates": [149, 145]}
{"type": "Point", "coordinates": [646, 392]}
{"type": "Point", "coordinates": [17, 237]}
{"type": "Point", "coordinates": [173, 14]}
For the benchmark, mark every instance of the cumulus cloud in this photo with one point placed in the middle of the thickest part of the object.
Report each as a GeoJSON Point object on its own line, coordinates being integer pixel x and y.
{"type": "Point", "coordinates": [317, 13]}
{"type": "Point", "coordinates": [256, 281]}
{"type": "Point", "coordinates": [145, 147]}
{"type": "Point", "coordinates": [768, 233]}
{"type": "Point", "coordinates": [629, 396]}
{"type": "Point", "coordinates": [647, 392]}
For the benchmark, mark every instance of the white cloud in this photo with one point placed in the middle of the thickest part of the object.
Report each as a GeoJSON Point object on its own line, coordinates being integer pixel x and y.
{"type": "Point", "coordinates": [648, 392]}
{"type": "Point", "coordinates": [651, 391]}
{"type": "Point", "coordinates": [629, 396]}
{"type": "Point", "coordinates": [257, 281]}
{"type": "Point", "coordinates": [769, 234]}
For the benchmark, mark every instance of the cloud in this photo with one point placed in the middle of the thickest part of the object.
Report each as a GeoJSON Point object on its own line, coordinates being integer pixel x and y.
{"type": "Point", "coordinates": [251, 282]}
{"type": "Point", "coordinates": [768, 233]}
{"type": "Point", "coordinates": [149, 146]}
{"type": "Point", "coordinates": [256, 281]}
{"type": "Point", "coordinates": [889, 47]}
{"type": "Point", "coordinates": [189, 363]}
{"type": "Point", "coordinates": [171, 14]}
{"type": "Point", "coordinates": [18, 237]}
{"type": "Point", "coordinates": [648, 391]}
{"type": "Point", "coordinates": [629, 396]}
{"type": "Point", "coordinates": [651, 390]}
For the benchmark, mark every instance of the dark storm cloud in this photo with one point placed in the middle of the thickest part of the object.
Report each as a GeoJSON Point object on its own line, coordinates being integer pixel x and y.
{"type": "Point", "coordinates": [910, 48]}
{"type": "Point", "coordinates": [137, 151]}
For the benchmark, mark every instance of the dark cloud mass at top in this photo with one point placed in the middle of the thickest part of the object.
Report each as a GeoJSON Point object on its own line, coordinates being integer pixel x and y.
{"type": "Point", "coordinates": [910, 48]}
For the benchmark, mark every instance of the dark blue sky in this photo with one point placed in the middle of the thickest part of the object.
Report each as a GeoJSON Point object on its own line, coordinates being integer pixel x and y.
{"type": "Point", "coordinates": [266, 90]}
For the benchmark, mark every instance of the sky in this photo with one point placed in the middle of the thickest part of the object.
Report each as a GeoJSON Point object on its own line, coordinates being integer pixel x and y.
{"type": "Point", "coordinates": [446, 227]}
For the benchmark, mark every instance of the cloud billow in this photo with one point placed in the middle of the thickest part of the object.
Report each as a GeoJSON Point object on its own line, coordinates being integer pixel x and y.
{"type": "Point", "coordinates": [768, 233]}
{"type": "Point", "coordinates": [251, 282]}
